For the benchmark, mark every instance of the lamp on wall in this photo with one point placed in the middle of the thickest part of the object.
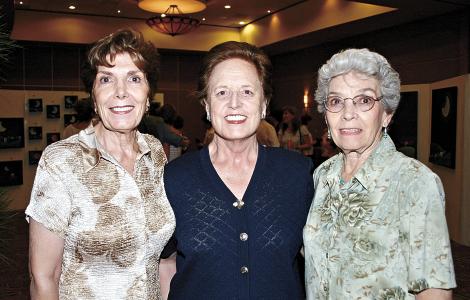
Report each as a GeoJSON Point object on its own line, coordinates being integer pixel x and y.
{"type": "Point", "coordinates": [172, 20]}
{"type": "Point", "coordinates": [306, 100]}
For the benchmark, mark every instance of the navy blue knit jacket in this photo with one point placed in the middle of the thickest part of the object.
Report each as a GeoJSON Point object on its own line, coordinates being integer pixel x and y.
{"type": "Point", "coordinates": [228, 253]}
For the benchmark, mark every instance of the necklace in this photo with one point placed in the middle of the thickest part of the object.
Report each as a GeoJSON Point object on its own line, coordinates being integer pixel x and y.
{"type": "Point", "coordinates": [239, 203]}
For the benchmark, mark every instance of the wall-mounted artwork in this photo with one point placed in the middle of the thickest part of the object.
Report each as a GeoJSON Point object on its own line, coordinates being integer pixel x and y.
{"type": "Point", "coordinates": [444, 127]}
{"type": "Point", "coordinates": [35, 105]}
{"type": "Point", "coordinates": [52, 137]}
{"type": "Point", "coordinates": [69, 119]}
{"type": "Point", "coordinates": [11, 133]}
{"type": "Point", "coordinates": [35, 133]}
{"type": "Point", "coordinates": [404, 126]}
{"type": "Point", "coordinates": [53, 111]}
{"type": "Point", "coordinates": [11, 172]}
{"type": "Point", "coordinates": [70, 101]}
{"type": "Point", "coordinates": [34, 157]}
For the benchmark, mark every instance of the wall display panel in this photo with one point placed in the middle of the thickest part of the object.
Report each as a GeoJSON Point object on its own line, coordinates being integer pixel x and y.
{"type": "Point", "coordinates": [11, 133]}
{"type": "Point", "coordinates": [35, 133]}
{"type": "Point", "coordinates": [34, 157]}
{"type": "Point", "coordinates": [404, 126]}
{"type": "Point", "coordinates": [11, 173]}
{"type": "Point", "coordinates": [35, 105]}
{"type": "Point", "coordinates": [443, 127]}
{"type": "Point", "coordinates": [69, 119]}
{"type": "Point", "coordinates": [52, 137]}
{"type": "Point", "coordinates": [70, 101]}
{"type": "Point", "coordinates": [53, 111]}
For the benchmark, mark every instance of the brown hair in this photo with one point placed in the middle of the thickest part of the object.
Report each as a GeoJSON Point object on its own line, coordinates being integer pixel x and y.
{"type": "Point", "coordinates": [232, 49]}
{"type": "Point", "coordinates": [144, 55]}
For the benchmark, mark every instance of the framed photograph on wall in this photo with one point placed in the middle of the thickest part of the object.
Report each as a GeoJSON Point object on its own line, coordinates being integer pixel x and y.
{"type": "Point", "coordinates": [69, 119]}
{"type": "Point", "coordinates": [35, 133]}
{"type": "Point", "coordinates": [444, 127]}
{"type": "Point", "coordinates": [34, 156]}
{"type": "Point", "coordinates": [11, 172]}
{"type": "Point", "coordinates": [11, 133]}
{"type": "Point", "coordinates": [35, 105]}
{"type": "Point", "coordinates": [52, 137]}
{"type": "Point", "coordinates": [70, 101]}
{"type": "Point", "coordinates": [53, 111]}
{"type": "Point", "coordinates": [404, 126]}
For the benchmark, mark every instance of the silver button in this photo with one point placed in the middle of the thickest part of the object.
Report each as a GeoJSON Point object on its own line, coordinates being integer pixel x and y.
{"type": "Point", "coordinates": [325, 288]}
{"type": "Point", "coordinates": [244, 270]}
{"type": "Point", "coordinates": [243, 236]}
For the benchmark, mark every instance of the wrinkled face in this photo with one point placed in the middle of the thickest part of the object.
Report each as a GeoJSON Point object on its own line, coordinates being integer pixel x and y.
{"type": "Point", "coordinates": [235, 99]}
{"type": "Point", "coordinates": [120, 94]}
{"type": "Point", "coordinates": [351, 129]}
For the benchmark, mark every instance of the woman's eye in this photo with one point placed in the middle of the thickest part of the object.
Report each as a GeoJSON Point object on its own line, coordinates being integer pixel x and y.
{"type": "Point", "coordinates": [247, 93]}
{"type": "Point", "coordinates": [334, 101]}
{"type": "Point", "coordinates": [365, 99]}
{"type": "Point", "coordinates": [135, 79]}
{"type": "Point", "coordinates": [105, 79]}
{"type": "Point", "coordinates": [222, 93]}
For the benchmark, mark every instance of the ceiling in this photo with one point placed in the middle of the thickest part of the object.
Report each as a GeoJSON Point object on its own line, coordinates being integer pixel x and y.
{"type": "Point", "coordinates": [294, 32]}
{"type": "Point", "coordinates": [215, 13]}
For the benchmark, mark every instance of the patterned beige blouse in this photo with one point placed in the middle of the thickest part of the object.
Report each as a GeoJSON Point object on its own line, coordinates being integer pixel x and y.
{"type": "Point", "coordinates": [382, 235]}
{"type": "Point", "coordinates": [114, 225]}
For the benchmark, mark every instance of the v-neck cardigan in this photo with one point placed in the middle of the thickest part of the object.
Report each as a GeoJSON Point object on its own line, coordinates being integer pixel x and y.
{"type": "Point", "coordinates": [224, 252]}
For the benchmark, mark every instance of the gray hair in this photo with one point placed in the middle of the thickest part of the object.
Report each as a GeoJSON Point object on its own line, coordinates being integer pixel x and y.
{"type": "Point", "coordinates": [365, 62]}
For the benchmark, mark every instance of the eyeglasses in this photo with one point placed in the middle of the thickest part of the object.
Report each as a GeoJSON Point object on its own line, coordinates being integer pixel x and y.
{"type": "Point", "coordinates": [364, 103]}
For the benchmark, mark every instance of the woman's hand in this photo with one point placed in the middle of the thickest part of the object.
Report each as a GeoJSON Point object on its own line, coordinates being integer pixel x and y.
{"type": "Point", "coordinates": [166, 269]}
{"type": "Point", "coordinates": [45, 261]}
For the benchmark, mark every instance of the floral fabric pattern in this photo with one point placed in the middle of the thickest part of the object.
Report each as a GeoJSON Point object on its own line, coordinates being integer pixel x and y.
{"type": "Point", "coordinates": [114, 224]}
{"type": "Point", "coordinates": [382, 235]}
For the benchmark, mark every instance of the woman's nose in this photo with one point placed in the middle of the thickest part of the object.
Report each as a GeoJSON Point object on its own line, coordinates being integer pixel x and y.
{"type": "Point", "coordinates": [121, 89]}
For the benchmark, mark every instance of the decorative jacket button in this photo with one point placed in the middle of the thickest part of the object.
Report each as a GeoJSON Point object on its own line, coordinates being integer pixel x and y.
{"type": "Point", "coordinates": [243, 236]}
{"type": "Point", "coordinates": [244, 270]}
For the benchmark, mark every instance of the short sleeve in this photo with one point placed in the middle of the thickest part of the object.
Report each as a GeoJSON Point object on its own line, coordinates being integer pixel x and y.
{"type": "Point", "coordinates": [304, 130]}
{"type": "Point", "coordinates": [50, 202]}
{"type": "Point", "coordinates": [430, 256]}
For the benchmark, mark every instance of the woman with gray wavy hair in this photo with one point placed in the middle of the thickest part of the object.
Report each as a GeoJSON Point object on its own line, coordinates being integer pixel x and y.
{"type": "Point", "coordinates": [377, 227]}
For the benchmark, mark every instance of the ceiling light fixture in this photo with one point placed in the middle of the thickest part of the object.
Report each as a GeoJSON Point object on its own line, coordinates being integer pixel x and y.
{"type": "Point", "coordinates": [241, 23]}
{"type": "Point", "coordinates": [171, 19]}
{"type": "Point", "coordinates": [227, 7]}
{"type": "Point", "coordinates": [72, 7]}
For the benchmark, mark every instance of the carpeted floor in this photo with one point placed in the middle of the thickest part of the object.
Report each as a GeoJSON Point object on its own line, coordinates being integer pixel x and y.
{"type": "Point", "coordinates": [14, 278]}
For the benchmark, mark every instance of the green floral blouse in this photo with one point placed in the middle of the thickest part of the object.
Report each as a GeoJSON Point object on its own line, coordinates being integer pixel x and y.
{"type": "Point", "coordinates": [382, 235]}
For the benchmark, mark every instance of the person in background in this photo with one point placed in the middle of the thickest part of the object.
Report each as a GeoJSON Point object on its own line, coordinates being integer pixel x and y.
{"type": "Point", "coordinates": [154, 124]}
{"type": "Point", "coordinates": [99, 216]}
{"type": "Point", "coordinates": [240, 207]}
{"type": "Point", "coordinates": [328, 147]}
{"type": "Point", "coordinates": [177, 127]}
{"type": "Point", "coordinates": [266, 134]}
{"type": "Point", "coordinates": [292, 135]}
{"type": "Point", "coordinates": [377, 226]}
{"type": "Point", "coordinates": [209, 133]}
{"type": "Point", "coordinates": [308, 151]}
{"type": "Point", "coordinates": [85, 113]}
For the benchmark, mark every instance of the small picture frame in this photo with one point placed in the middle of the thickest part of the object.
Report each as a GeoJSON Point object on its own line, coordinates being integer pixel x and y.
{"type": "Point", "coordinates": [69, 119]}
{"type": "Point", "coordinates": [34, 157]}
{"type": "Point", "coordinates": [35, 133]}
{"type": "Point", "coordinates": [53, 111]}
{"type": "Point", "coordinates": [11, 173]}
{"type": "Point", "coordinates": [70, 101]}
{"type": "Point", "coordinates": [11, 133]}
{"type": "Point", "coordinates": [52, 137]}
{"type": "Point", "coordinates": [35, 105]}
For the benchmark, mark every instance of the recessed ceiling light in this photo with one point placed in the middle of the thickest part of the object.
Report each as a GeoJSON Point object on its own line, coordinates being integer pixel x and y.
{"type": "Point", "coordinates": [21, 2]}
{"type": "Point", "coordinates": [203, 19]}
{"type": "Point", "coordinates": [241, 23]}
{"type": "Point", "coordinates": [72, 7]}
{"type": "Point", "coordinates": [227, 6]}
{"type": "Point", "coordinates": [269, 11]}
{"type": "Point", "coordinates": [162, 15]}
{"type": "Point", "coordinates": [119, 11]}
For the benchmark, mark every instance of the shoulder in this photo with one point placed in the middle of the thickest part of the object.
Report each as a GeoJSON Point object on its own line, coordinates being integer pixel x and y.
{"type": "Point", "coordinates": [183, 164]}
{"type": "Point", "coordinates": [62, 151]}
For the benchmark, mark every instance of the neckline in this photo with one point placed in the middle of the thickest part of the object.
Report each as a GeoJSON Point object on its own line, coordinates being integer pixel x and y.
{"type": "Point", "coordinates": [219, 184]}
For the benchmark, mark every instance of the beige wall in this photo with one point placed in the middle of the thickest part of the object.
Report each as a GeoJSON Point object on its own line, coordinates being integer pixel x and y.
{"type": "Point", "coordinates": [456, 180]}
{"type": "Point", "coordinates": [14, 105]}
